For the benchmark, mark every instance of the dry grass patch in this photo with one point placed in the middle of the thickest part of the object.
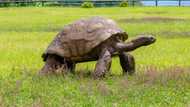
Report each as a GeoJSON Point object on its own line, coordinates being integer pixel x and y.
{"type": "Point", "coordinates": [152, 20]}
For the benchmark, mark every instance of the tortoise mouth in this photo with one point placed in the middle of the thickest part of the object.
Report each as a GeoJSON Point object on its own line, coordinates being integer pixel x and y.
{"type": "Point", "coordinates": [146, 39]}
{"type": "Point", "coordinates": [152, 39]}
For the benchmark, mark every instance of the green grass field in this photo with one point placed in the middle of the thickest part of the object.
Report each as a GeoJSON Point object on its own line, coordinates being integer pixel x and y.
{"type": "Point", "coordinates": [163, 69]}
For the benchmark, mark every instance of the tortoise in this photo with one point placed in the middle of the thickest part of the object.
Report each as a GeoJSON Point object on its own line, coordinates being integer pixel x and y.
{"type": "Point", "coordinates": [93, 39]}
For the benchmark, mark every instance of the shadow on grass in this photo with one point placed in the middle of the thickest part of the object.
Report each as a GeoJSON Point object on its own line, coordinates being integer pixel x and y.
{"type": "Point", "coordinates": [149, 74]}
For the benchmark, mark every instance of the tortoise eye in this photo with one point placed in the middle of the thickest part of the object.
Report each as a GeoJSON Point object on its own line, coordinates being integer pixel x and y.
{"type": "Point", "coordinates": [121, 37]}
{"type": "Point", "coordinates": [118, 37]}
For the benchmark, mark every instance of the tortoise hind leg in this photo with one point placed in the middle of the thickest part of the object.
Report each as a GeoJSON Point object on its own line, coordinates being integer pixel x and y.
{"type": "Point", "coordinates": [103, 64]}
{"type": "Point", "coordinates": [70, 66]}
{"type": "Point", "coordinates": [127, 62]}
{"type": "Point", "coordinates": [52, 64]}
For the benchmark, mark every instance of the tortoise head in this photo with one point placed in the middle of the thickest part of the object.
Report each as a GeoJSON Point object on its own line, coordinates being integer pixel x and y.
{"type": "Point", "coordinates": [146, 39]}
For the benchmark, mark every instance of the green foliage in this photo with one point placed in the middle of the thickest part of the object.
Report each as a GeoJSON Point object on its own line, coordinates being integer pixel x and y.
{"type": "Point", "coordinates": [38, 4]}
{"type": "Point", "coordinates": [87, 5]}
{"type": "Point", "coordinates": [123, 4]}
{"type": "Point", "coordinates": [130, 3]}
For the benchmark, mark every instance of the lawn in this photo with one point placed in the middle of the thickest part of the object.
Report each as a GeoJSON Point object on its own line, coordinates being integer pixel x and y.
{"type": "Point", "coordinates": [162, 77]}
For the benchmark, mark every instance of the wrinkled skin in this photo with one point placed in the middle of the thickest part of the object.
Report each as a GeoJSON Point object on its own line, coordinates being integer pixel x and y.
{"type": "Point", "coordinates": [102, 54]}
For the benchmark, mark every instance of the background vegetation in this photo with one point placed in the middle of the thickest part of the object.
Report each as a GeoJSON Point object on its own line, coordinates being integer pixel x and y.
{"type": "Point", "coordinates": [163, 69]}
{"type": "Point", "coordinates": [69, 3]}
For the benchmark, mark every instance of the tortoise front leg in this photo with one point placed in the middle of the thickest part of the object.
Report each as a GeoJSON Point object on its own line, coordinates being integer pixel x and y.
{"type": "Point", "coordinates": [52, 64]}
{"type": "Point", "coordinates": [103, 64]}
{"type": "Point", "coordinates": [127, 62]}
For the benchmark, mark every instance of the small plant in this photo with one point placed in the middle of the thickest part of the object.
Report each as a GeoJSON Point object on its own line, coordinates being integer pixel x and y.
{"type": "Point", "coordinates": [87, 5]}
{"type": "Point", "coordinates": [123, 4]}
{"type": "Point", "coordinates": [38, 4]}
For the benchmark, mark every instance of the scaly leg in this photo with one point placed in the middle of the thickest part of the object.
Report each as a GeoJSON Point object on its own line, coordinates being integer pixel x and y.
{"type": "Point", "coordinates": [127, 62]}
{"type": "Point", "coordinates": [70, 66]}
{"type": "Point", "coordinates": [52, 63]}
{"type": "Point", "coordinates": [103, 64]}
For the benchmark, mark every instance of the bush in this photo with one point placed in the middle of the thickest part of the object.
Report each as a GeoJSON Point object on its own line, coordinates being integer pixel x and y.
{"type": "Point", "coordinates": [38, 4]}
{"type": "Point", "coordinates": [87, 5]}
{"type": "Point", "coordinates": [123, 4]}
{"type": "Point", "coordinates": [5, 5]}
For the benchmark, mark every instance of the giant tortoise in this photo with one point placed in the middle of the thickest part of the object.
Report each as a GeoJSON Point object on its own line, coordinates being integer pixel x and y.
{"type": "Point", "coordinates": [92, 39]}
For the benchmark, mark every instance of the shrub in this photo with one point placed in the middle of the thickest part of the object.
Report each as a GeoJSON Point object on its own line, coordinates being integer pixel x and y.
{"type": "Point", "coordinates": [5, 5]}
{"type": "Point", "coordinates": [123, 4]}
{"type": "Point", "coordinates": [38, 4]}
{"type": "Point", "coordinates": [87, 5]}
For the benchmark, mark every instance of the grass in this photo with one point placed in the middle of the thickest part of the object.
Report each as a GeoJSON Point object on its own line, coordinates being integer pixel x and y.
{"type": "Point", "coordinates": [163, 69]}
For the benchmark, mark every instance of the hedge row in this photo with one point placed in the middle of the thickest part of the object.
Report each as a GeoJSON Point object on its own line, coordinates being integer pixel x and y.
{"type": "Point", "coordinates": [59, 3]}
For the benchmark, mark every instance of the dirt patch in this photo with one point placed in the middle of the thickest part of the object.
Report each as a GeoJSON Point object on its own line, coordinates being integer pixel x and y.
{"type": "Point", "coordinates": [158, 12]}
{"type": "Point", "coordinates": [170, 34]}
{"type": "Point", "coordinates": [151, 19]}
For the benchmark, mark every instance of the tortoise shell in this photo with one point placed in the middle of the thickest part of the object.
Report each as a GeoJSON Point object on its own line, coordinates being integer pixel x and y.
{"type": "Point", "coordinates": [79, 38]}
